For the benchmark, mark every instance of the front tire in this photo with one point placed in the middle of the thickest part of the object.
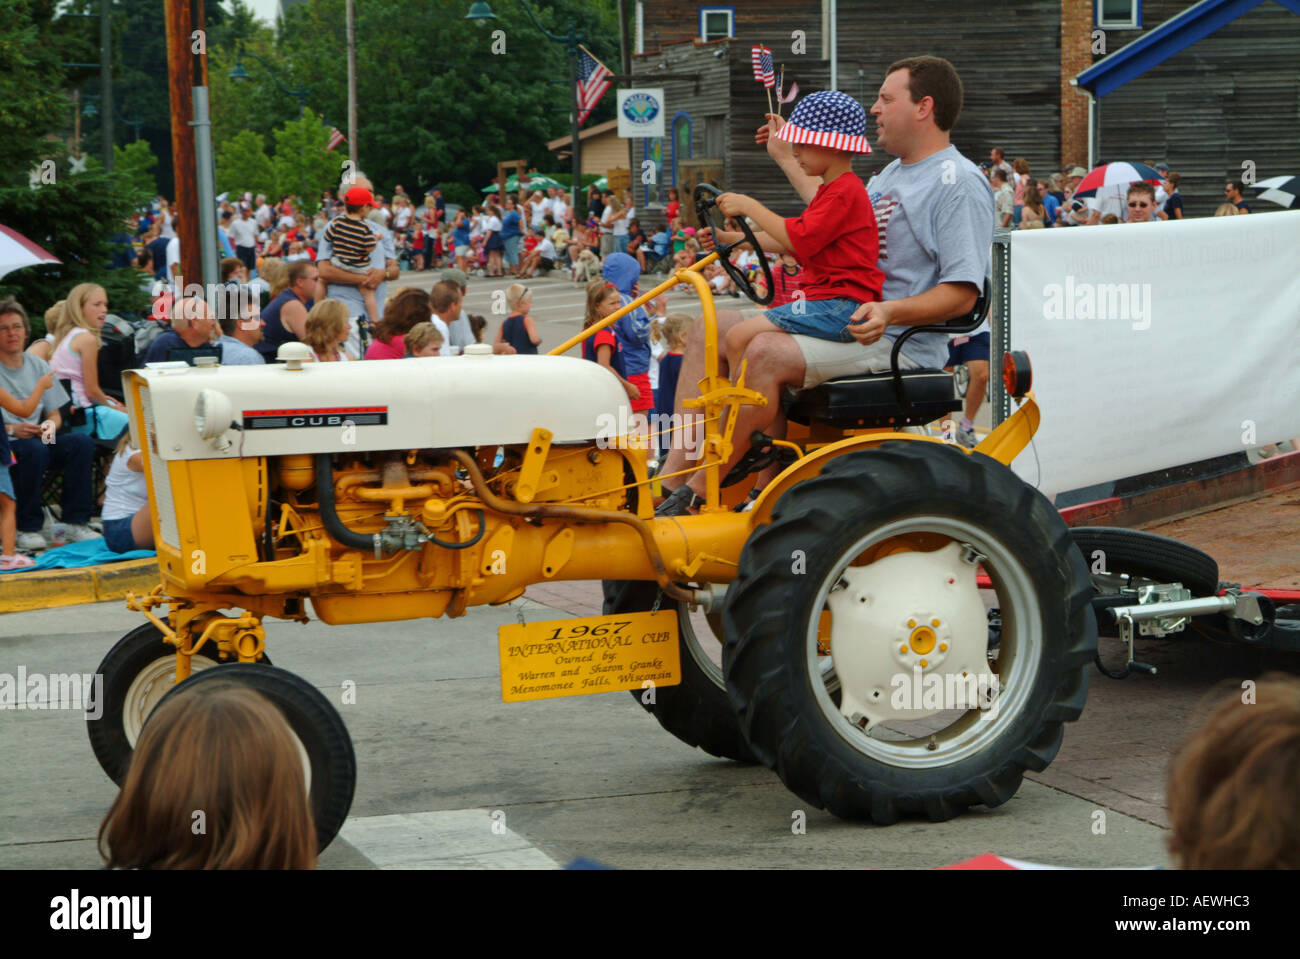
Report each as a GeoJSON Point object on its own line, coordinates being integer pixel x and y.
{"type": "Point", "coordinates": [912, 501]}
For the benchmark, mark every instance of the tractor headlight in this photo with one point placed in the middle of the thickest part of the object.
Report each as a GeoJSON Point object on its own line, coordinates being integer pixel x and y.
{"type": "Point", "coordinates": [213, 414]}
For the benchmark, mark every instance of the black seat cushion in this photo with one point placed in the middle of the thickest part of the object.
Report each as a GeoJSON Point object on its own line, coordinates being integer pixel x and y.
{"type": "Point", "coordinates": [871, 400]}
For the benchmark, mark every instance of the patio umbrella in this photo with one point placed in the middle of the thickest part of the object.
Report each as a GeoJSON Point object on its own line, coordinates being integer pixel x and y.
{"type": "Point", "coordinates": [1114, 178]}
{"type": "Point", "coordinates": [16, 252]}
{"type": "Point", "coordinates": [1281, 190]}
{"type": "Point", "coordinates": [540, 181]}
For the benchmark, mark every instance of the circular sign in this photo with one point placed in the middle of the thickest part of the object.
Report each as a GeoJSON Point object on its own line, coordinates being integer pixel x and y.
{"type": "Point", "coordinates": [640, 108]}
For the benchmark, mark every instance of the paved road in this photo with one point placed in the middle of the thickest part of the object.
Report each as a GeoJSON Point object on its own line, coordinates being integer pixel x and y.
{"type": "Point", "coordinates": [439, 753]}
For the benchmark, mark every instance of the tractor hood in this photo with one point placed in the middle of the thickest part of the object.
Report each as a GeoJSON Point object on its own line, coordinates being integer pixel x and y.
{"type": "Point", "coordinates": [418, 403]}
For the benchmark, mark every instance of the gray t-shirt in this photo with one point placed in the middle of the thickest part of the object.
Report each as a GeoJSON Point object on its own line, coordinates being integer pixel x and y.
{"type": "Point", "coordinates": [935, 219]}
{"type": "Point", "coordinates": [351, 295]}
{"type": "Point", "coordinates": [22, 381]}
{"type": "Point", "coordinates": [459, 334]}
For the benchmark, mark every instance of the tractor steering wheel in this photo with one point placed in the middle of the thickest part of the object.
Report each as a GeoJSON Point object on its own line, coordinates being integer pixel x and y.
{"type": "Point", "coordinates": [706, 199]}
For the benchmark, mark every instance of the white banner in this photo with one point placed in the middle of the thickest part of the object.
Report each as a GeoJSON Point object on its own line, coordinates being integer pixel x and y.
{"type": "Point", "coordinates": [1157, 344]}
{"type": "Point", "coordinates": [641, 112]}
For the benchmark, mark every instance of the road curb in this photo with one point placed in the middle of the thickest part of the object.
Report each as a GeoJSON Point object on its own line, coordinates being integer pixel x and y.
{"type": "Point", "coordinates": [47, 589]}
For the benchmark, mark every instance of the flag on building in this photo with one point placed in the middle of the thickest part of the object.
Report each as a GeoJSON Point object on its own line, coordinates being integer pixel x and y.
{"type": "Point", "coordinates": [593, 81]}
{"type": "Point", "coordinates": [336, 137]}
{"type": "Point", "coordinates": [763, 71]}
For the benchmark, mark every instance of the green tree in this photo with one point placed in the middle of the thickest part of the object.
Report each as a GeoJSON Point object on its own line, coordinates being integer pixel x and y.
{"type": "Point", "coordinates": [32, 101]}
{"type": "Point", "coordinates": [303, 167]}
{"type": "Point", "coordinates": [135, 163]}
{"type": "Point", "coordinates": [242, 165]}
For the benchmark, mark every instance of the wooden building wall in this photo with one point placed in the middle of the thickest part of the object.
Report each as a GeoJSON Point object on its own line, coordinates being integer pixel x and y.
{"type": "Point", "coordinates": [672, 21]}
{"type": "Point", "coordinates": [1231, 98]}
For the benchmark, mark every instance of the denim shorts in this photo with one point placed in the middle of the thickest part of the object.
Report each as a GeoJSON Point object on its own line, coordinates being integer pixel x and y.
{"type": "Point", "coordinates": [6, 484]}
{"type": "Point", "coordinates": [117, 535]}
{"type": "Point", "coordinates": [823, 319]}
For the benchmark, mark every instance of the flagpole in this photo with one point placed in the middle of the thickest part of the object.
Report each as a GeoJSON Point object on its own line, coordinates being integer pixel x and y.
{"type": "Point", "coordinates": [780, 89]}
{"type": "Point", "coordinates": [766, 88]}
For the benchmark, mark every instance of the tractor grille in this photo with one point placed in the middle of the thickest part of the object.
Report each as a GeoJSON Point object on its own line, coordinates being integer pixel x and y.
{"type": "Point", "coordinates": [160, 489]}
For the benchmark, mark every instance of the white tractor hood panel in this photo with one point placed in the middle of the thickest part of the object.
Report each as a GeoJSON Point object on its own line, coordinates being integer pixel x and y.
{"type": "Point", "coordinates": [415, 403]}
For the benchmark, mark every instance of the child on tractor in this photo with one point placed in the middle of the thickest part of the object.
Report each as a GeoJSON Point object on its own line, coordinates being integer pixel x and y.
{"type": "Point", "coordinates": [835, 239]}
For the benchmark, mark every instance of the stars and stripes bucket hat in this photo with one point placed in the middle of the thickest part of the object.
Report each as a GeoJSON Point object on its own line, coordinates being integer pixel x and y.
{"type": "Point", "coordinates": [828, 118]}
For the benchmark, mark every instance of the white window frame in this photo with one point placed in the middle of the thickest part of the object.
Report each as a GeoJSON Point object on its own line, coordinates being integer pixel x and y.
{"type": "Point", "coordinates": [731, 21]}
{"type": "Point", "coordinates": [1132, 22]}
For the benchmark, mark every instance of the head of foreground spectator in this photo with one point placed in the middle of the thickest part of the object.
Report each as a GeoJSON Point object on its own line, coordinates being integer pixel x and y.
{"type": "Point", "coordinates": [401, 312]}
{"type": "Point", "coordinates": [1141, 202]}
{"type": "Point", "coordinates": [1233, 784]}
{"type": "Point", "coordinates": [226, 750]}
{"type": "Point", "coordinates": [1226, 209]}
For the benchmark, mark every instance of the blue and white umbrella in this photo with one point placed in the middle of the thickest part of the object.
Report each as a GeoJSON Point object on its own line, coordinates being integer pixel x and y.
{"type": "Point", "coordinates": [1281, 190]}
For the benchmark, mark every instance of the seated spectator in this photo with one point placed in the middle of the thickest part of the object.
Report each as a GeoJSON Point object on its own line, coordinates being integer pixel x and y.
{"type": "Point", "coordinates": [1226, 209]}
{"type": "Point", "coordinates": [193, 326]}
{"type": "Point", "coordinates": [446, 301]}
{"type": "Point", "coordinates": [326, 331]}
{"type": "Point", "coordinates": [127, 523]}
{"type": "Point", "coordinates": [1033, 215]}
{"type": "Point", "coordinates": [241, 327]}
{"type": "Point", "coordinates": [44, 347]}
{"type": "Point", "coordinates": [75, 357]}
{"type": "Point", "coordinates": [233, 270]}
{"type": "Point", "coordinates": [1074, 210]}
{"type": "Point", "coordinates": [286, 314]}
{"type": "Point", "coordinates": [224, 749]}
{"type": "Point", "coordinates": [1233, 783]}
{"type": "Point", "coordinates": [1109, 219]}
{"type": "Point", "coordinates": [423, 339]}
{"type": "Point", "coordinates": [477, 324]}
{"type": "Point", "coordinates": [542, 258]}
{"type": "Point", "coordinates": [519, 329]}
{"type": "Point", "coordinates": [1051, 205]}
{"type": "Point", "coordinates": [402, 311]}
{"type": "Point", "coordinates": [271, 272]}
{"type": "Point", "coordinates": [1141, 202]}
{"type": "Point", "coordinates": [31, 439]}
{"type": "Point", "coordinates": [635, 240]}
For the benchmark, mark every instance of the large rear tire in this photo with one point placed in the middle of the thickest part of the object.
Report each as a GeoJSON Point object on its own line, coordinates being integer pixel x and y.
{"type": "Point", "coordinates": [921, 504]}
{"type": "Point", "coordinates": [697, 711]}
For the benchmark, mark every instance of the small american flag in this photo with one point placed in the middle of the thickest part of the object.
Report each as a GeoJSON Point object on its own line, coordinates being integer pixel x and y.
{"type": "Point", "coordinates": [763, 72]}
{"type": "Point", "coordinates": [593, 81]}
{"type": "Point", "coordinates": [336, 137]}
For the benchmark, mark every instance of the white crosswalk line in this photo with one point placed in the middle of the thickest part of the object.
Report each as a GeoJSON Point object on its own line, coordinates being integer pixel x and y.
{"type": "Point", "coordinates": [443, 839]}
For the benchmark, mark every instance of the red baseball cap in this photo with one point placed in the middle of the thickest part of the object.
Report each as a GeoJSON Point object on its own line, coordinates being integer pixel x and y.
{"type": "Point", "coordinates": [359, 196]}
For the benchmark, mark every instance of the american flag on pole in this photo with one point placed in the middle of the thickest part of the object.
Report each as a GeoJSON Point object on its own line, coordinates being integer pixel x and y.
{"type": "Point", "coordinates": [336, 137]}
{"type": "Point", "coordinates": [593, 81]}
{"type": "Point", "coordinates": [763, 72]}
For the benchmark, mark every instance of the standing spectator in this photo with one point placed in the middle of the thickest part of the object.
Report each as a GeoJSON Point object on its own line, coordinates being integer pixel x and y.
{"type": "Point", "coordinates": [243, 232]}
{"type": "Point", "coordinates": [539, 208]}
{"type": "Point", "coordinates": [1034, 214]}
{"type": "Point", "coordinates": [493, 245]}
{"type": "Point", "coordinates": [519, 329]}
{"type": "Point", "coordinates": [264, 214]}
{"type": "Point", "coordinates": [595, 204]}
{"type": "Point", "coordinates": [223, 234]}
{"type": "Point", "coordinates": [241, 327]}
{"type": "Point", "coordinates": [1050, 203]}
{"type": "Point", "coordinates": [1019, 183]}
{"type": "Point", "coordinates": [672, 210]}
{"type": "Point", "coordinates": [1233, 192]}
{"type": "Point", "coordinates": [401, 313]}
{"type": "Point", "coordinates": [632, 330]}
{"type": "Point", "coordinates": [511, 232]}
{"type": "Point", "coordinates": [1173, 209]}
{"type": "Point", "coordinates": [346, 287]}
{"type": "Point", "coordinates": [460, 241]}
{"type": "Point", "coordinates": [559, 206]}
{"type": "Point", "coordinates": [285, 317]}
{"type": "Point", "coordinates": [353, 241]}
{"type": "Point", "coordinates": [439, 206]}
{"type": "Point", "coordinates": [76, 357]}
{"type": "Point", "coordinates": [172, 260]}
{"type": "Point", "coordinates": [998, 159]}
{"type": "Point", "coordinates": [1141, 202]}
{"type": "Point", "coordinates": [619, 223]}
{"type": "Point", "coordinates": [327, 329]}
{"type": "Point", "coordinates": [607, 214]}
{"type": "Point", "coordinates": [1003, 198]}
{"type": "Point", "coordinates": [156, 244]}
{"type": "Point", "coordinates": [127, 522]}
{"type": "Point", "coordinates": [21, 376]}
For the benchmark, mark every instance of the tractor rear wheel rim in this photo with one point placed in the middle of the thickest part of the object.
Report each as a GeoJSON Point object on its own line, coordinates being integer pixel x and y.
{"type": "Point", "coordinates": [1019, 654]}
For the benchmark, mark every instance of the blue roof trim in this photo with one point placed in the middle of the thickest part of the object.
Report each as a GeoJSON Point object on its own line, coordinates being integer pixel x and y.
{"type": "Point", "coordinates": [1160, 43]}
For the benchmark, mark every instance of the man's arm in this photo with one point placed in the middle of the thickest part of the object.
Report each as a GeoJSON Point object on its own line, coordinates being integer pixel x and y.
{"type": "Point", "coordinates": [779, 150]}
{"type": "Point", "coordinates": [329, 273]}
{"type": "Point", "coordinates": [946, 301]}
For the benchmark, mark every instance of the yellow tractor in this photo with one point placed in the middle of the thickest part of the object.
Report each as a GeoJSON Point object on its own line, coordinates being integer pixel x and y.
{"type": "Point", "coordinates": [896, 626]}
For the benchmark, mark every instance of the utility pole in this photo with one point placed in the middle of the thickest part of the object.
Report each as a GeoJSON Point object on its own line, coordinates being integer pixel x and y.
{"type": "Point", "coordinates": [625, 64]}
{"type": "Point", "coordinates": [352, 83]}
{"type": "Point", "coordinates": [106, 79]}
{"type": "Point", "coordinates": [186, 70]}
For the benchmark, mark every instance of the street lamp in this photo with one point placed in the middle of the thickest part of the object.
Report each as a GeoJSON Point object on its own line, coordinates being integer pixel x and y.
{"type": "Point", "coordinates": [480, 12]}
{"type": "Point", "coordinates": [89, 111]}
{"type": "Point", "coordinates": [238, 72]}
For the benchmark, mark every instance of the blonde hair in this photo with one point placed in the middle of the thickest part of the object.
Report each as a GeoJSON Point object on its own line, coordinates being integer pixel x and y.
{"type": "Point", "coordinates": [675, 328]}
{"type": "Point", "coordinates": [1226, 209]}
{"type": "Point", "coordinates": [226, 749]}
{"type": "Point", "coordinates": [74, 316]}
{"type": "Point", "coordinates": [515, 294]}
{"type": "Point", "coordinates": [327, 323]}
{"type": "Point", "coordinates": [276, 272]}
{"type": "Point", "coordinates": [597, 290]}
{"type": "Point", "coordinates": [422, 335]}
{"type": "Point", "coordinates": [54, 319]}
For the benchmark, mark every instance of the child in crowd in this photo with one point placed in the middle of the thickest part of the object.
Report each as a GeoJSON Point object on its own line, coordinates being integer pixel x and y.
{"type": "Point", "coordinates": [632, 331]}
{"type": "Point", "coordinates": [787, 280]}
{"type": "Point", "coordinates": [519, 330]}
{"type": "Point", "coordinates": [424, 340]}
{"type": "Point", "coordinates": [9, 555]}
{"type": "Point", "coordinates": [221, 747]}
{"type": "Point", "coordinates": [326, 329]}
{"type": "Point", "coordinates": [672, 334]}
{"type": "Point", "coordinates": [352, 241]}
{"type": "Point", "coordinates": [835, 238]}
{"type": "Point", "coordinates": [719, 280]}
{"type": "Point", "coordinates": [603, 299]}
{"type": "Point", "coordinates": [477, 324]}
{"type": "Point", "coordinates": [127, 525]}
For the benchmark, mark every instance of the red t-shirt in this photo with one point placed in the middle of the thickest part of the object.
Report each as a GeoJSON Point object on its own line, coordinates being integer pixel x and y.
{"type": "Point", "coordinates": [836, 243]}
{"type": "Point", "coordinates": [395, 349]}
{"type": "Point", "coordinates": [785, 285]}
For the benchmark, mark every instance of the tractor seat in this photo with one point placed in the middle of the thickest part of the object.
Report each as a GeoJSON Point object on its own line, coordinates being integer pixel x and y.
{"type": "Point", "coordinates": [871, 400]}
{"type": "Point", "coordinates": [892, 399]}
